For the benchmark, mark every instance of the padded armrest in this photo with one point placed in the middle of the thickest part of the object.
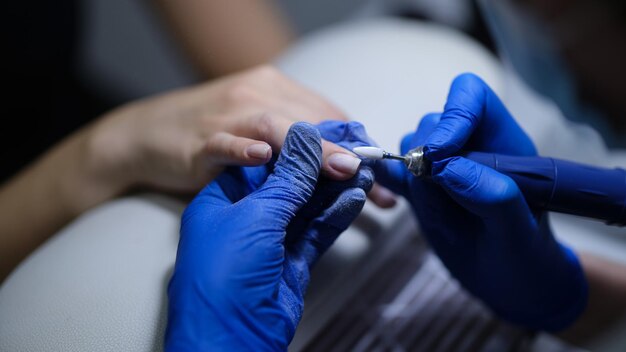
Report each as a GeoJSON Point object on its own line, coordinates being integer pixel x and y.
{"type": "Point", "coordinates": [98, 285]}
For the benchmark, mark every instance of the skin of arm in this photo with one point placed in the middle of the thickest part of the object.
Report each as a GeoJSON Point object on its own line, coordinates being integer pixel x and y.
{"type": "Point", "coordinates": [607, 302]}
{"type": "Point", "coordinates": [223, 37]}
{"type": "Point", "coordinates": [174, 143]}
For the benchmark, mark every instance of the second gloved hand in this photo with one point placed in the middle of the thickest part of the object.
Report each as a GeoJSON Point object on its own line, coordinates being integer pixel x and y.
{"type": "Point", "coordinates": [248, 241]}
{"type": "Point", "coordinates": [477, 220]}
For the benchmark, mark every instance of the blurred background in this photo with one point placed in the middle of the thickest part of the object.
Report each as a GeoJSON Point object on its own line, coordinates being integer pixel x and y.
{"type": "Point", "coordinates": [126, 52]}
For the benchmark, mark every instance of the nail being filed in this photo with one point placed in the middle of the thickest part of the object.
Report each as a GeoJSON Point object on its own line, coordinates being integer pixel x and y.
{"type": "Point", "coordinates": [413, 160]}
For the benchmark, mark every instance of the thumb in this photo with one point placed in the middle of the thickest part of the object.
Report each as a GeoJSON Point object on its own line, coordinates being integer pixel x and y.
{"type": "Point", "coordinates": [492, 196]}
{"type": "Point", "coordinates": [295, 174]}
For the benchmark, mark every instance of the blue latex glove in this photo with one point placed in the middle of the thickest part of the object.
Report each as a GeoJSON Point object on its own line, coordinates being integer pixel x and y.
{"type": "Point", "coordinates": [247, 243]}
{"type": "Point", "coordinates": [477, 220]}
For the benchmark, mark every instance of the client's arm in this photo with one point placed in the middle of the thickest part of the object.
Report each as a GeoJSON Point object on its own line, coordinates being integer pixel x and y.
{"type": "Point", "coordinates": [46, 195]}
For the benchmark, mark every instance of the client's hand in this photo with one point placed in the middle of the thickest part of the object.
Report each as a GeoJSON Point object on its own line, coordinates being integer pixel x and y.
{"type": "Point", "coordinates": [247, 243]}
{"type": "Point", "coordinates": [176, 142]}
{"type": "Point", "coordinates": [477, 220]}
{"type": "Point", "coordinates": [182, 140]}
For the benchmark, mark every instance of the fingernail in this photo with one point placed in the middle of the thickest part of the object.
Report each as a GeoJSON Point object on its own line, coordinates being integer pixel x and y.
{"type": "Point", "coordinates": [259, 151]}
{"type": "Point", "coordinates": [344, 163]}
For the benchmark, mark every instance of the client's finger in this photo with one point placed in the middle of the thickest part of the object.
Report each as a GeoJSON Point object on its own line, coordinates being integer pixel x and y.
{"type": "Point", "coordinates": [337, 162]}
{"type": "Point", "coordinates": [382, 197]}
{"type": "Point", "coordinates": [226, 149]}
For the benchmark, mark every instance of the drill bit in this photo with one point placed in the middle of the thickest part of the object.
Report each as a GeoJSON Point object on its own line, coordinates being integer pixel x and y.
{"type": "Point", "coordinates": [413, 160]}
{"type": "Point", "coordinates": [377, 153]}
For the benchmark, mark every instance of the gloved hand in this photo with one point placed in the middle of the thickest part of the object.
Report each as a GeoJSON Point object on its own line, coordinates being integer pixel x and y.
{"type": "Point", "coordinates": [477, 220]}
{"type": "Point", "coordinates": [247, 243]}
